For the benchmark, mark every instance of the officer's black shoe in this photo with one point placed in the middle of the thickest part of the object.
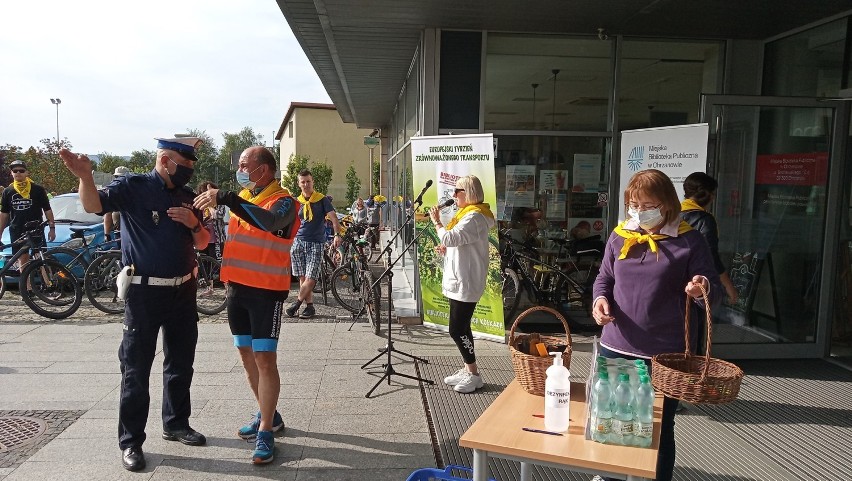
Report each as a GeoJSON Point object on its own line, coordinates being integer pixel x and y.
{"type": "Point", "coordinates": [187, 436]}
{"type": "Point", "coordinates": [133, 458]}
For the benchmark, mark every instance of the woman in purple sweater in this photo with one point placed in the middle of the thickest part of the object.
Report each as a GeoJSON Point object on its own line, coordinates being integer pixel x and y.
{"type": "Point", "coordinates": [650, 260]}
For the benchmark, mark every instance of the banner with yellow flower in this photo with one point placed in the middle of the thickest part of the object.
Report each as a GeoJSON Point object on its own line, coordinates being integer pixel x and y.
{"type": "Point", "coordinates": [443, 159]}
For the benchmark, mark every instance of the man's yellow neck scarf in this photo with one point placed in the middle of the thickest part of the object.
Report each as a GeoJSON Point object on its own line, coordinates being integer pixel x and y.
{"type": "Point", "coordinates": [482, 208]}
{"type": "Point", "coordinates": [270, 190]}
{"type": "Point", "coordinates": [690, 204]}
{"type": "Point", "coordinates": [307, 212]}
{"type": "Point", "coordinates": [23, 187]}
{"type": "Point", "coordinates": [631, 238]}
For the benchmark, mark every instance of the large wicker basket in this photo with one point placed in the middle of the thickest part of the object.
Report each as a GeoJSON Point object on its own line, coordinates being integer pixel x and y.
{"type": "Point", "coordinates": [696, 379]}
{"type": "Point", "coordinates": [530, 370]}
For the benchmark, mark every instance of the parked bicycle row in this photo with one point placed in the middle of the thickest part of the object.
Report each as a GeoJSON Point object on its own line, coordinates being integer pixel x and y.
{"type": "Point", "coordinates": [54, 280]}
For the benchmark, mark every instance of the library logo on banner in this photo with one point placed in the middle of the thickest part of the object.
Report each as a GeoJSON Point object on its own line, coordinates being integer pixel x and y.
{"type": "Point", "coordinates": [636, 157]}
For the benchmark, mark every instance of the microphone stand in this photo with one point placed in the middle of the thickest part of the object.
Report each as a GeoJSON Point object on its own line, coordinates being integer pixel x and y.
{"type": "Point", "coordinates": [389, 349]}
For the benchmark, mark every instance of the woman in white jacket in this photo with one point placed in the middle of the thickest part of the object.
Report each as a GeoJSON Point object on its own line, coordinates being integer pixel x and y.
{"type": "Point", "coordinates": [464, 244]}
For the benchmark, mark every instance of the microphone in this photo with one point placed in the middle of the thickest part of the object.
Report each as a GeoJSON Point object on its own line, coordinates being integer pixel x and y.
{"type": "Point", "coordinates": [448, 203]}
{"type": "Point", "coordinates": [419, 200]}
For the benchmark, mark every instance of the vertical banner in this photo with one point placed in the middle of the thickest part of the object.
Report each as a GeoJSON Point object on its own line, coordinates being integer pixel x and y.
{"type": "Point", "coordinates": [676, 151]}
{"type": "Point", "coordinates": [443, 159]}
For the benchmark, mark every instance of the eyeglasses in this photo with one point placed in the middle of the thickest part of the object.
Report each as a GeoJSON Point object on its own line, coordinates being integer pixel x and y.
{"type": "Point", "coordinates": [459, 190]}
{"type": "Point", "coordinates": [18, 171]}
{"type": "Point", "coordinates": [643, 207]}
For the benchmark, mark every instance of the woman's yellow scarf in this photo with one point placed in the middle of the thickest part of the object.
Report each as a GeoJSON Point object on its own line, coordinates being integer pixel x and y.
{"type": "Point", "coordinates": [23, 187]}
{"type": "Point", "coordinates": [270, 190]}
{"type": "Point", "coordinates": [631, 238]}
{"type": "Point", "coordinates": [482, 208]}
{"type": "Point", "coordinates": [307, 212]}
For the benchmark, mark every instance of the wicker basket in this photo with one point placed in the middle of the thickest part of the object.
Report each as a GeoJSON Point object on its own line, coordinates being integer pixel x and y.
{"type": "Point", "coordinates": [530, 370]}
{"type": "Point", "coordinates": [696, 379]}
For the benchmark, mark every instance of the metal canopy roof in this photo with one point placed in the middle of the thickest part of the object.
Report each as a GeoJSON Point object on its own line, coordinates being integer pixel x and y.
{"type": "Point", "coordinates": [362, 50]}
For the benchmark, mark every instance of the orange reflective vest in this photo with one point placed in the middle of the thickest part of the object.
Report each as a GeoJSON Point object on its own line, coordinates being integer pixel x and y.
{"type": "Point", "coordinates": [256, 258]}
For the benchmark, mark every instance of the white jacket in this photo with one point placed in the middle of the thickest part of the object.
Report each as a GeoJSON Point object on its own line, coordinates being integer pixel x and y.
{"type": "Point", "coordinates": [466, 260]}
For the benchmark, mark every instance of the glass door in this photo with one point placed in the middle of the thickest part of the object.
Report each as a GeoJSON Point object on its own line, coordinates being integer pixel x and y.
{"type": "Point", "coordinates": [776, 162]}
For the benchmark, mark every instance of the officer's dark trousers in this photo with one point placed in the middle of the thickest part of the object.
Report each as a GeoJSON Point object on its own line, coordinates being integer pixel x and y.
{"type": "Point", "coordinates": [147, 309]}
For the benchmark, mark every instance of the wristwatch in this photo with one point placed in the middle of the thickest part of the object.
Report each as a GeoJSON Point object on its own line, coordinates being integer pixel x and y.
{"type": "Point", "coordinates": [197, 228]}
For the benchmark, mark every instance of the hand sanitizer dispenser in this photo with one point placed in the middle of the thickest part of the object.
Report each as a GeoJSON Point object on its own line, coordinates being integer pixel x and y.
{"type": "Point", "coordinates": [557, 395]}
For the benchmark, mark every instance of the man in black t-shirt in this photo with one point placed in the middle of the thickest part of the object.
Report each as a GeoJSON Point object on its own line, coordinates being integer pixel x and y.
{"type": "Point", "coordinates": [23, 201]}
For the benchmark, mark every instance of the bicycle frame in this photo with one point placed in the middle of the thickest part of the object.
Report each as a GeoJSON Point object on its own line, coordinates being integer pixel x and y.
{"type": "Point", "coordinates": [27, 245]}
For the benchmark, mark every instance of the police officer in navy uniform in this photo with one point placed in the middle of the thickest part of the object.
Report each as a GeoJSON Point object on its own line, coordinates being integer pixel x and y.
{"type": "Point", "coordinates": [159, 229]}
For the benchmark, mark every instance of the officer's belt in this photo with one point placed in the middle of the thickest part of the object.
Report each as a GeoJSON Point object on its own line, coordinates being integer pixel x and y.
{"type": "Point", "coordinates": [160, 281]}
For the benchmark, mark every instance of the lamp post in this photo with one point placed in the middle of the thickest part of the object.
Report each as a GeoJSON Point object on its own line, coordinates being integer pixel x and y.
{"type": "Point", "coordinates": [371, 143]}
{"type": "Point", "coordinates": [56, 102]}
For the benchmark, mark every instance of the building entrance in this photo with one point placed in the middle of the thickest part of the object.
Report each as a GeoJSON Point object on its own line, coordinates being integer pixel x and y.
{"type": "Point", "coordinates": [775, 160]}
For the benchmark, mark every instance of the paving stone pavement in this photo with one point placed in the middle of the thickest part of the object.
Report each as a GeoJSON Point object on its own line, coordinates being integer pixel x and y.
{"type": "Point", "coordinates": [333, 432]}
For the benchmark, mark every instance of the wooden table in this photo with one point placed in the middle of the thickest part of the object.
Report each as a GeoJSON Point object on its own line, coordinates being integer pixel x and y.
{"type": "Point", "coordinates": [498, 432]}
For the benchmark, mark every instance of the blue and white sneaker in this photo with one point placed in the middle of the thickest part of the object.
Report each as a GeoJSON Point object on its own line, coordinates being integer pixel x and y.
{"type": "Point", "coordinates": [264, 448]}
{"type": "Point", "coordinates": [249, 431]}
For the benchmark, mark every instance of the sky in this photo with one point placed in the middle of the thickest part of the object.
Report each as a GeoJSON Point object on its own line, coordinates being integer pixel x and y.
{"type": "Point", "coordinates": [129, 71]}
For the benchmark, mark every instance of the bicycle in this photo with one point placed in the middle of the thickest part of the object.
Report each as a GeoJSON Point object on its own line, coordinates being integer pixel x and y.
{"type": "Point", "coordinates": [352, 282]}
{"type": "Point", "coordinates": [78, 254]}
{"type": "Point", "coordinates": [211, 297]}
{"type": "Point", "coordinates": [102, 291]}
{"type": "Point", "coordinates": [46, 286]}
{"type": "Point", "coordinates": [525, 273]}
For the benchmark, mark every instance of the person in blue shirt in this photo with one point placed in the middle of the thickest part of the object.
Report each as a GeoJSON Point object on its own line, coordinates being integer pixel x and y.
{"type": "Point", "coordinates": [306, 253]}
{"type": "Point", "coordinates": [160, 230]}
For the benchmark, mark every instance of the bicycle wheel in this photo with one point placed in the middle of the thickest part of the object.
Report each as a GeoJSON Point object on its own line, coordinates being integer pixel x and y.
{"type": "Point", "coordinates": [211, 296]}
{"type": "Point", "coordinates": [372, 299]}
{"type": "Point", "coordinates": [511, 293]}
{"type": "Point", "coordinates": [50, 289]}
{"type": "Point", "coordinates": [2, 286]}
{"type": "Point", "coordinates": [73, 260]}
{"type": "Point", "coordinates": [99, 283]}
{"type": "Point", "coordinates": [324, 282]}
{"type": "Point", "coordinates": [346, 288]}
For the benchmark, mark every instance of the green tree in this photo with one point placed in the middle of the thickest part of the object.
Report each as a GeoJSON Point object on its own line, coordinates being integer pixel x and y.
{"type": "Point", "coordinates": [353, 184]}
{"type": "Point", "coordinates": [109, 162]}
{"type": "Point", "coordinates": [290, 177]}
{"type": "Point", "coordinates": [142, 161]}
{"type": "Point", "coordinates": [376, 165]}
{"type": "Point", "coordinates": [208, 159]}
{"type": "Point", "coordinates": [234, 145]}
{"type": "Point", "coordinates": [322, 174]}
{"type": "Point", "coordinates": [8, 154]}
{"type": "Point", "coordinates": [47, 169]}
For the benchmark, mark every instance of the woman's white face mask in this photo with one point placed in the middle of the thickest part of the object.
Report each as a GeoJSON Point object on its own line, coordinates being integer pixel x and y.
{"type": "Point", "coordinates": [647, 219]}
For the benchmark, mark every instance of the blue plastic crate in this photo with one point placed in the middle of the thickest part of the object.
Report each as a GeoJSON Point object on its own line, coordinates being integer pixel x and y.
{"type": "Point", "coordinates": [434, 474]}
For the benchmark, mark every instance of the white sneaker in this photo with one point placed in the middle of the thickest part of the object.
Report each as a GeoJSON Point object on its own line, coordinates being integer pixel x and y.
{"type": "Point", "coordinates": [456, 378]}
{"type": "Point", "coordinates": [470, 383]}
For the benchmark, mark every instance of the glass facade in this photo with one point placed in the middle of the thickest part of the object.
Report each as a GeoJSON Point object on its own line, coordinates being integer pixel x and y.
{"type": "Point", "coordinates": [557, 103]}
{"type": "Point", "coordinates": [818, 56]}
{"type": "Point", "coordinates": [548, 99]}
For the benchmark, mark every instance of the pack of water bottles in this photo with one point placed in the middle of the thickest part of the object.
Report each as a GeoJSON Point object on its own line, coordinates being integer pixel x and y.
{"type": "Point", "coordinates": [621, 402]}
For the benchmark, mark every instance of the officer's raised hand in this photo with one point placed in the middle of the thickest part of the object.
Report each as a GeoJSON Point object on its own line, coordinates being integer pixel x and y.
{"type": "Point", "coordinates": [79, 165]}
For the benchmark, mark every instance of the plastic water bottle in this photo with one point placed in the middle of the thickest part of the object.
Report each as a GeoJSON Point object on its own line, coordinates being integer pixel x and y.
{"type": "Point", "coordinates": [643, 421]}
{"type": "Point", "coordinates": [602, 420]}
{"type": "Point", "coordinates": [622, 422]}
{"type": "Point", "coordinates": [557, 396]}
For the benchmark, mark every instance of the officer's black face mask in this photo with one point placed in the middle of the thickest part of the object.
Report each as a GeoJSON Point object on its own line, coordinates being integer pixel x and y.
{"type": "Point", "coordinates": [182, 174]}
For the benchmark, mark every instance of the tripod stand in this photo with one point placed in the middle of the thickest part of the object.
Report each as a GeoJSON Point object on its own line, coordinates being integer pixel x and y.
{"type": "Point", "coordinates": [389, 349]}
